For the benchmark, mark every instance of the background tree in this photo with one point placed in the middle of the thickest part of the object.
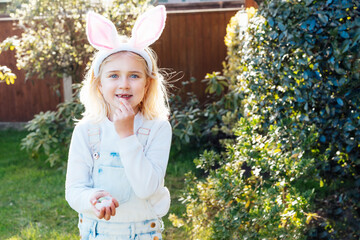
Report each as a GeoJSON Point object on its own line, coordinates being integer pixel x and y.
{"type": "Point", "coordinates": [54, 42]}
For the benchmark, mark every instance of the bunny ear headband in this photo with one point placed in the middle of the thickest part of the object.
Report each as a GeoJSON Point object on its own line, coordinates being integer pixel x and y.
{"type": "Point", "coordinates": [103, 36]}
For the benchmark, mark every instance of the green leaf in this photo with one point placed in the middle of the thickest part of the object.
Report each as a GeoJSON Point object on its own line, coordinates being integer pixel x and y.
{"type": "Point", "coordinates": [340, 101]}
{"type": "Point", "coordinates": [344, 34]}
{"type": "Point", "coordinates": [323, 18]}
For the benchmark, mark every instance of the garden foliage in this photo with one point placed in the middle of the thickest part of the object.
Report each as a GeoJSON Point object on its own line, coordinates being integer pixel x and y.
{"type": "Point", "coordinates": [293, 172]}
{"type": "Point", "coordinates": [50, 132]}
{"type": "Point", "coordinates": [6, 75]}
{"type": "Point", "coordinates": [204, 124]}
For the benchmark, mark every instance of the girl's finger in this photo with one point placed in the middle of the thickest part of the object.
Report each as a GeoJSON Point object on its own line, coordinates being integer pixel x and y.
{"type": "Point", "coordinates": [119, 101]}
{"type": "Point", "coordinates": [123, 108]}
{"type": "Point", "coordinates": [113, 210]}
{"type": "Point", "coordinates": [126, 105]}
{"type": "Point", "coordinates": [101, 213]}
{"type": "Point", "coordinates": [93, 201]}
{"type": "Point", "coordinates": [116, 203]}
{"type": "Point", "coordinates": [107, 213]}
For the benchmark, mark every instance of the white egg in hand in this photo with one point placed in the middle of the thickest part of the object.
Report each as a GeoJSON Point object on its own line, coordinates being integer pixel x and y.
{"type": "Point", "coordinates": [103, 202]}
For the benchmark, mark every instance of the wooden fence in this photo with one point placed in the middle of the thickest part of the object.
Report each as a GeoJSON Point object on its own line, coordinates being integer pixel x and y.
{"type": "Point", "coordinates": [192, 44]}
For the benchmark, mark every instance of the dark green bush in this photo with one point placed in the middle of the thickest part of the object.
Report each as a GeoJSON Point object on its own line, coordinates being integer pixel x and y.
{"type": "Point", "coordinates": [185, 117]}
{"type": "Point", "coordinates": [296, 67]}
{"type": "Point", "coordinates": [304, 62]}
{"type": "Point", "coordinates": [204, 124]}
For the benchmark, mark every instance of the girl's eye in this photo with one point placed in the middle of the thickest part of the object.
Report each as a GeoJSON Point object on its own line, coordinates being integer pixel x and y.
{"type": "Point", "coordinates": [113, 76]}
{"type": "Point", "coordinates": [134, 76]}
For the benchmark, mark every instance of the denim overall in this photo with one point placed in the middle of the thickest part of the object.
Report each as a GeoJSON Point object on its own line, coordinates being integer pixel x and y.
{"type": "Point", "coordinates": [109, 174]}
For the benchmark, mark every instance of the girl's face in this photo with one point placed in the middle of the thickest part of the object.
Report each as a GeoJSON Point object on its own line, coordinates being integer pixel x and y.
{"type": "Point", "coordinates": [123, 76]}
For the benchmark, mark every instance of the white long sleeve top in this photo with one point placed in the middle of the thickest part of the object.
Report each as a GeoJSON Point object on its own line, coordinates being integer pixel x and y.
{"type": "Point", "coordinates": [144, 168]}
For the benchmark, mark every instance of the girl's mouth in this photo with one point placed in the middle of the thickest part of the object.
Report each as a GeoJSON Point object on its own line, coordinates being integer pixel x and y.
{"type": "Point", "coordinates": [123, 96]}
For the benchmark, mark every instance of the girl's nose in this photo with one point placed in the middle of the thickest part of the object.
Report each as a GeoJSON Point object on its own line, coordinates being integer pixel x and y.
{"type": "Point", "coordinates": [123, 83]}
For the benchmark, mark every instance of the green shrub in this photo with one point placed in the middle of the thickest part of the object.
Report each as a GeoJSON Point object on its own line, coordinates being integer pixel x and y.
{"type": "Point", "coordinates": [221, 112]}
{"type": "Point", "coordinates": [296, 67]}
{"type": "Point", "coordinates": [261, 191]}
{"type": "Point", "coordinates": [185, 117]}
{"type": "Point", "coordinates": [307, 66]}
{"type": "Point", "coordinates": [204, 124]}
{"type": "Point", "coordinates": [50, 132]}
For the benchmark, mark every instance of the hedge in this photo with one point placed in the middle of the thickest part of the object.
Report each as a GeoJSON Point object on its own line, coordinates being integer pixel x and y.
{"type": "Point", "coordinates": [293, 172]}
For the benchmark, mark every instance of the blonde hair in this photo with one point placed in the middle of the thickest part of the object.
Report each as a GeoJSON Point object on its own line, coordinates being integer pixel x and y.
{"type": "Point", "coordinates": [153, 106]}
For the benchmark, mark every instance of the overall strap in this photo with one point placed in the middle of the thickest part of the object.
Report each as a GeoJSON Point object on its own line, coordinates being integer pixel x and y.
{"type": "Point", "coordinates": [143, 133]}
{"type": "Point", "coordinates": [94, 141]}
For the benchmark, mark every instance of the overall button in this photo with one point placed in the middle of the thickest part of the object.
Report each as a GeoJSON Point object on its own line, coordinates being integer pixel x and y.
{"type": "Point", "coordinates": [96, 155]}
{"type": "Point", "coordinates": [153, 225]}
{"type": "Point", "coordinates": [156, 238]}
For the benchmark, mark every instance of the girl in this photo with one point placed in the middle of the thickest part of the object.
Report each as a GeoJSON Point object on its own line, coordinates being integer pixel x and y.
{"type": "Point", "coordinates": [119, 151]}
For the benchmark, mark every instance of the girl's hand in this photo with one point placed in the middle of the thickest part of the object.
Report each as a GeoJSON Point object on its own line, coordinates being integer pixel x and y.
{"type": "Point", "coordinates": [123, 119]}
{"type": "Point", "coordinates": [105, 211]}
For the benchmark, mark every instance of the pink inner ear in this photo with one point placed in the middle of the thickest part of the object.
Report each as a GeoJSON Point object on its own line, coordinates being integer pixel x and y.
{"type": "Point", "coordinates": [148, 27]}
{"type": "Point", "coordinates": [101, 32]}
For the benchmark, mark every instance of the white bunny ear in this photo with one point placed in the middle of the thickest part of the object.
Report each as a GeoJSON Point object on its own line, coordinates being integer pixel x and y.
{"type": "Point", "coordinates": [148, 27]}
{"type": "Point", "coordinates": [101, 32]}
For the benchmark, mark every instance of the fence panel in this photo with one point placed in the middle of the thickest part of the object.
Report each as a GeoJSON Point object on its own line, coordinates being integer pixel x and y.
{"type": "Point", "coordinates": [193, 44]}
{"type": "Point", "coordinates": [20, 101]}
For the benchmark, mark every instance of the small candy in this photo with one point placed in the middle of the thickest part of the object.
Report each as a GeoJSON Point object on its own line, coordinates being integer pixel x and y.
{"type": "Point", "coordinates": [103, 202]}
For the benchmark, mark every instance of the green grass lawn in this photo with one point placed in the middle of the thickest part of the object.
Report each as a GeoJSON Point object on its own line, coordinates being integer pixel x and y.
{"type": "Point", "coordinates": [32, 202]}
